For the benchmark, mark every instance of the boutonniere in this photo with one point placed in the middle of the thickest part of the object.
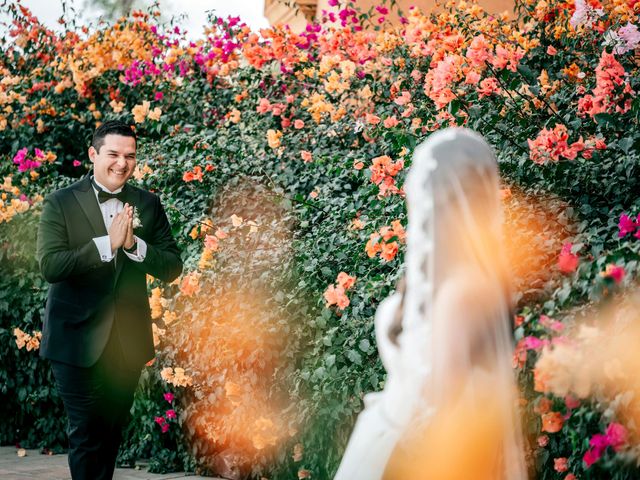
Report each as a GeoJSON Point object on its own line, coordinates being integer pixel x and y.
{"type": "Point", "coordinates": [137, 223]}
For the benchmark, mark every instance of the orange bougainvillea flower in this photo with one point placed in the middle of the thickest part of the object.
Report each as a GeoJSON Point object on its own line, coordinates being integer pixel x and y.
{"type": "Point", "coordinates": [190, 284]}
{"type": "Point", "coordinates": [211, 242]}
{"type": "Point", "coordinates": [345, 280]}
{"type": "Point", "coordinates": [306, 156]}
{"type": "Point", "coordinates": [383, 170]}
{"type": "Point", "coordinates": [552, 422]}
{"type": "Point", "coordinates": [273, 138]}
{"type": "Point", "coordinates": [336, 294]}
{"type": "Point", "coordinates": [386, 241]}
{"type": "Point", "coordinates": [196, 174]}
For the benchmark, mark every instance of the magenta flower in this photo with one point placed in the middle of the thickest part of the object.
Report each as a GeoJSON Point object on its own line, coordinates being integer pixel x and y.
{"type": "Point", "coordinates": [169, 397]}
{"type": "Point", "coordinates": [333, 3]}
{"type": "Point", "coordinates": [165, 428]}
{"type": "Point", "coordinates": [24, 163]}
{"type": "Point", "coordinates": [591, 456]}
{"type": "Point", "coordinates": [77, 163]}
{"type": "Point", "coordinates": [626, 225]}
{"type": "Point", "coordinates": [613, 271]}
{"type": "Point", "coordinates": [158, 96]}
{"type": "Point", "coordinates": [170, 413]}
{"type": "Point", "coordinates": [160, 420]}
{"type": "Point", "coordinates": [20, 155]}
{"type": "Point", "coordinates": [616, 436]}
{"type": "Point", "coordinates": [532, 343]}
{"type": "Point", "coordinates": [382, 10]}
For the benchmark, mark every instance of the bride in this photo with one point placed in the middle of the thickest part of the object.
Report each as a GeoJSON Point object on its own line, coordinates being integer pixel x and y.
{"type": "Point", "coordinates": [448, 409]}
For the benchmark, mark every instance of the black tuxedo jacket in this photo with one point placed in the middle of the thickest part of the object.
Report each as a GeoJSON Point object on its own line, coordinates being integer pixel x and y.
{"type": "Point", "coordinates": [87, 295]}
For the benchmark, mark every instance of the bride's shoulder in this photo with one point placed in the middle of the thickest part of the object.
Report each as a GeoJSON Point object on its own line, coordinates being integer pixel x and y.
{"type": "Point", "coordinates": [469, 289]}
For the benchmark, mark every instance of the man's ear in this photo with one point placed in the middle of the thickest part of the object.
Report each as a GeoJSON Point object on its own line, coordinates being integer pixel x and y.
{"type": "Point", "coordinates": [93, 153]}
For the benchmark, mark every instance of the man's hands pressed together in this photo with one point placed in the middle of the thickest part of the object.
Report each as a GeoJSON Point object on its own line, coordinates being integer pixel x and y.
{"type": "Point", "coordinates": [121, 230]}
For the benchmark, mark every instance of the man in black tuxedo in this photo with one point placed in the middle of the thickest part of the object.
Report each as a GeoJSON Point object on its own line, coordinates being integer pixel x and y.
{"type": "Point", "coordinates": [97, 324]}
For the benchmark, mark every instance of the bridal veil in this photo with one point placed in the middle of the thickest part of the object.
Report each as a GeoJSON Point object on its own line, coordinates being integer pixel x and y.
{"type": "Point", "coordinates": [449, 407]}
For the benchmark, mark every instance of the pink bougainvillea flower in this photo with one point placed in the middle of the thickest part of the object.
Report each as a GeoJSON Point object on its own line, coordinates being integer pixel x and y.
{"type": "Point", "coordinates": [390, 122]}
{"type": "Point", "coordinates": [488, 86]}
{"type": "Point", "coordinates": [479, 51]}
{"type": "Point", "coordinates": [552, 145]}
{"type": "Point", "coordinates": [611, 92]}
{"type": "Point", "coordinates": [532, 343]}
{"type": "Point", "coordinates": [472, 77]}
{"type": "Point", "coordinates": [403, 99]}
{"type": "Point", "coordinates": [560, 464]}
{"type": "Point", "coordinates": [626, 225]}
{"type": "Point", "coordinates": [169, 397]}
{"type": "Point", "coordinates": [171, 413]}
{"type": "Point", "coordinates": [264, 106]}
{"type": "Point", "coordinates": [591, 456]}
{"type": "Point", "coordinates": [614, 272]}
{"type": "Point", "coordinates": [551, 324]}
{"type": "Point", "coordinates": [159, 420]}
{"type": "Point", "coordinates": [631, 37]}
{"type": "Point", "coordinates": [371, 119]}
{"type": "Point", "coordinates": [77, 163]}
{"type": "Point", "coordinates": [165, 428]}
{"type": "Point", "coordinates": [567, 261]}
{"type": "Point", "coordinates": [571, 402]}
{"type": "Point", "coordinates": [617, 436]}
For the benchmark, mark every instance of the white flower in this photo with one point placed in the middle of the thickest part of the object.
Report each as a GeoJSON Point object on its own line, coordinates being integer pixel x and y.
{"type": "Point", "coordinates": [585, 14]}
{"type": "Point", "coordinates": [136, 219]}
{"type": "Point", "coordinates": [612, 39]}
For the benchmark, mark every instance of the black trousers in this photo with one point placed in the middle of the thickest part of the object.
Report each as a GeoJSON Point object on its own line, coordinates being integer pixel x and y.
{"type": "Point", "coordinates": [97, 400]}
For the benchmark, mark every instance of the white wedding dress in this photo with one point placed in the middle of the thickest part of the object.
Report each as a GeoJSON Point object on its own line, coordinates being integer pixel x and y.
{"type": "Point", "coordinates": [455, 320]}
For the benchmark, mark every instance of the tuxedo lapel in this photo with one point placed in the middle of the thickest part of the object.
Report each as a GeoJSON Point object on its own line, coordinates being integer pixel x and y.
{"type": "Point", "coordinates": [89, 204]}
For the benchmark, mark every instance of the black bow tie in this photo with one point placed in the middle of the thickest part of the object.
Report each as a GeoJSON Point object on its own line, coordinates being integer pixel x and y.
{"type": "Point", "coordinates": [104, 196]}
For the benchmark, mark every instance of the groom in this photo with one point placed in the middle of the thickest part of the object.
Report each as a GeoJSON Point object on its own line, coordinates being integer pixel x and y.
{"type": "Point", "coordinates": [97, 240]}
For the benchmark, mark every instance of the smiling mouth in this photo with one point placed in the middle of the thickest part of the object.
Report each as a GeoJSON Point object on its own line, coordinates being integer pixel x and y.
{"type": "Point", "coordinates": [119, 172]}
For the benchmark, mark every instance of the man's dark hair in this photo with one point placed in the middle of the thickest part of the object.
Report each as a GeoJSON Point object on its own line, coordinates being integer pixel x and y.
{"type": "Point", "coordinates": [111, 127]}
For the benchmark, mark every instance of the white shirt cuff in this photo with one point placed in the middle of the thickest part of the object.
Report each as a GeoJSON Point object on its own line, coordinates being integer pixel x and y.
{"type": "Point", "coordinates": [104, 248]}
{"type": "Point", "coordinates": [141, 250]}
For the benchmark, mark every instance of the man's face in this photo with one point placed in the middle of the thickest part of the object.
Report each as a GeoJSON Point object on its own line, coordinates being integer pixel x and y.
{"type": "Point", "coordinates": [115, 162]}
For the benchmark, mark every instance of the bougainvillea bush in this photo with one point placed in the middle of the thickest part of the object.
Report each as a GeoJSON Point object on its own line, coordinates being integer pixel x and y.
{"type": "Point", "coordinates": [280, 158]}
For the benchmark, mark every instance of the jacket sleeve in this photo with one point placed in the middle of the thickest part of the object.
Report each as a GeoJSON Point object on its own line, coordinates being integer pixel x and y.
{"type": "Point", "coordinates": [163, 256]}
{"type": "Point", "coordinates": [56, 260]}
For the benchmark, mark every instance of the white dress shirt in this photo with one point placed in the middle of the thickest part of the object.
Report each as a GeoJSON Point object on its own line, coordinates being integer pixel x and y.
{"type": "Point", "coordinates": [109, 210]}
